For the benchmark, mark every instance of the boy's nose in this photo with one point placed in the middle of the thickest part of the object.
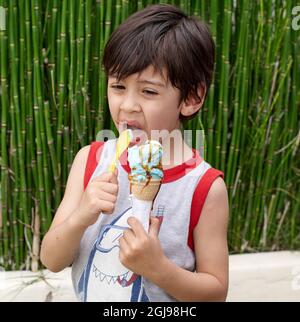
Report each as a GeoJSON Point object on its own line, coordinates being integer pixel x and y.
{"type": "Point", "coordinates": [130, 105]}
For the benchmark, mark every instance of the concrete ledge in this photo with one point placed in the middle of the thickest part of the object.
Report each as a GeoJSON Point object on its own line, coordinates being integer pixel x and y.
{"type": "Point", "coordinates": [253, 277]}
{"type": "Point", "coordinates": [44, 286]}
{"type": "Point", "coordinates": [271, 276]}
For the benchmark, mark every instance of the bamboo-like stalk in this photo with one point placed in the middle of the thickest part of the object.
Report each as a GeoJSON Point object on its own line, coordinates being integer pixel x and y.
{"type": "Point", "coordinates": [4, 99]}
{"type": "Point", "coordinates": [213, 20]}
{"type": "Point", "coordinates": [195, 8]}
{"type": "Point", "coordinates": [30, 146]}
{"type": "Point", "coordinates": [118, 10]}
{"type": "Point", "coordinates": [37, 94]}
{"type": "Point", "coordinates": [14, 113]}
{"type": "Point", "coordinates": [222, 118]}
{"type": "Point", "coordinates": [101, 79]}
{"type": "Point", "coordinates": [23, 210]}
{"type": "Point", "coordinates": [51, 23]}
{"type": "Point", "coordinates": [95, 60]}
{"type": "Point", "coordinates": [61, 83]}
{"type": "Point", "coordinates": [140, 4]}
{"type": "Point", "coordinates": [125, 14]}
{"type": "Point", "coordinates": [185, 6]}
{"type": "Point", "coordinates": [50, 143]}
{"type": "Point", "coordinates": [76, 108]}
{"type": "Point", "coordinates": [36, 243]}
{"type": "Point", "coordinates": [86, 120]}
{"type": "Point", "coordinates": [71, 76]}
{"type": "Point", "coordinates": [108, 30]}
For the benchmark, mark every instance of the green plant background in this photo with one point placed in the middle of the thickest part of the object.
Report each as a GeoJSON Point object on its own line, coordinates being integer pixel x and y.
{"type": "Point", "coordinates": [53, 102]}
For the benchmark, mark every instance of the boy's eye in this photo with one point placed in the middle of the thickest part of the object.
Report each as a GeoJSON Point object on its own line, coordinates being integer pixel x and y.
{"type": "Point", "coordinates": [149, 92]}
{"type": "Point", "coordinates": [121, 87]}
{"type": "Point", "coordinates": [117, 87]}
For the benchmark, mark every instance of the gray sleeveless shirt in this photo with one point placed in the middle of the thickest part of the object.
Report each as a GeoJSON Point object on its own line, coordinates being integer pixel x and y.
{"type": "Point", "coordinates": [173, 201]}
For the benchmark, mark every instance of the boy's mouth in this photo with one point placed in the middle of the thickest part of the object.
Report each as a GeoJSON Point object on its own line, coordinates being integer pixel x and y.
{"type": "Point", "coordinates": [132, 125]}
{"type": "Point", "coordinates": [133, 128]}
{"type": "Point", "coordinates": [139, 135]}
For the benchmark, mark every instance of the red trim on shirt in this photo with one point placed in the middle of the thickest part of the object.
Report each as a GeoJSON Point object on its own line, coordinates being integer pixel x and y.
{"type": "Point", "coordinates": [171, 174]}
{"type": "Point", "coordinates": [199, 197]}
{"type": "Point", "coordinates": [92, 161]}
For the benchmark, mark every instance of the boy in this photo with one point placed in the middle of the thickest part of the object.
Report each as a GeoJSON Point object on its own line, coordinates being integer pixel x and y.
{"type": "Point", "coordinates": [159, 64]}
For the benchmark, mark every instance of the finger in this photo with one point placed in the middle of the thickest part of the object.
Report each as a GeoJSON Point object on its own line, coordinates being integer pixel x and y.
{"type": "Point", "coordinates": [107, 176]}
{"type": "Point", "coordinates": [154, 226]}
{"type": "Point", "coordinates": [105, 196]}
{"type": "Point", "coordinates": [129, 236]}
{"type": "Point", "coordinates": [137, 227]}
{"type": "Point", "coordinates": [114, 177]}
{"type": "Point", "coordinates": [102, 177]}
{"type": "Point", "coordinates": [107, 207]}
{"type": "Point", "coordinates": [108, 187]}
{"type": "Point", "coordinates": [124, 247]}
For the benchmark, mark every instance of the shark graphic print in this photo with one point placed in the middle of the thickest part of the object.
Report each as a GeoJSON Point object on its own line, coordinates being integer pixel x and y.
{"type": "Point", "coordinates": [104, 277]}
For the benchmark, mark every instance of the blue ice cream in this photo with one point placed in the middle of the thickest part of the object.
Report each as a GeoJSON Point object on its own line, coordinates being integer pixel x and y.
{"type": "Point", "coordinates": [145, 161]}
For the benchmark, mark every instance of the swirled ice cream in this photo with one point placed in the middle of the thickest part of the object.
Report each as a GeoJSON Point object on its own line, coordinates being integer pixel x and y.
{"type": "Point", "coordinates": [146, 174]}
{"type": "Point", "coordinates": [145, 161]}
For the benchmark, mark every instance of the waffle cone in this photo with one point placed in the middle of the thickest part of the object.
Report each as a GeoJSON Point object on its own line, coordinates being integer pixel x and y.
{"type": "Point", "coordinates": [145, 192]}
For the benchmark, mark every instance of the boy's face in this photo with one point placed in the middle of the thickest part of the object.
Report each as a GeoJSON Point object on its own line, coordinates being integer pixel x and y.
{"type": "Point", "coordinates": [145, 98]}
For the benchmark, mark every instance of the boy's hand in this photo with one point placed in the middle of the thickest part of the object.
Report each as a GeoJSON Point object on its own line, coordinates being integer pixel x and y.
{"type": "Point", "coordinates": [99, 196]}
{"type": "Point", "coordinates": [141, 252]}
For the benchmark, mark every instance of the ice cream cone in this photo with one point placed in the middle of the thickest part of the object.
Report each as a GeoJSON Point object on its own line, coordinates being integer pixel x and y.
{"type": "Point", "coordinates": [142, 197]}
{"type": "Point", "coordinates": [145, 178]}
{"type": "Point", "coordinates": [144, 191]}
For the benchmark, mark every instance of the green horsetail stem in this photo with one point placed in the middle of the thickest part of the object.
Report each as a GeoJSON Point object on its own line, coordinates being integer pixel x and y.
{"type": "Point", "coordinates": [5, 179]}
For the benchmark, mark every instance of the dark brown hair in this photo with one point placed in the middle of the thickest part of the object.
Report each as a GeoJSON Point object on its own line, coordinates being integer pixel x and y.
{"type": "Point", "coordinates": [165, 37]}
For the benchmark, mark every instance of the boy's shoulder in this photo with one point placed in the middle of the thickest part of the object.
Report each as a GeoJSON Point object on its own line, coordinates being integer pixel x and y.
{"type": "Point", "coordinates": [83, 152]}
{"type": "Point", "coordinates": [81, 158]}
{"type": "Point", "coordinates": [217, 196]}
{"type": "Point", "coordinates": [89, 151]}
{"type": "Point", "coordinates": [218, 188]}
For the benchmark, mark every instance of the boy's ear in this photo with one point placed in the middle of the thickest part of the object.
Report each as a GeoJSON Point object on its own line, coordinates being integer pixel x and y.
{"type": "Point", "coordinates": [193, 103]}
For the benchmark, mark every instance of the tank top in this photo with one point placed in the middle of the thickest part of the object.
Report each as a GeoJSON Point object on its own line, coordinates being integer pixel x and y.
{"type": "Point", "coordinates": [97, 274]}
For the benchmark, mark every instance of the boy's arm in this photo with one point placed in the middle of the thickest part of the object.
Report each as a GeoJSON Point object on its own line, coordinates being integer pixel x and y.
{"type": "Point", "coordinates": [142, 253]}
{"type": "Point", "coordinates": [61, 242]}
{"type": "Point", "coordinates": [78, 210]}
{"type": "Point", "coordinates": [210, 282]}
